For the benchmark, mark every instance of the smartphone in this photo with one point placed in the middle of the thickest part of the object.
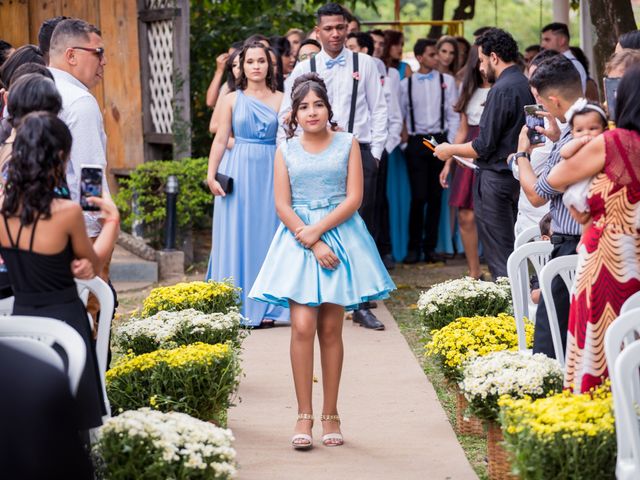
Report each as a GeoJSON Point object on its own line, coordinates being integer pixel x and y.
{"type": "Point", "coordinates": [610, 92]}
{"type": "Point", "coordinates": [90, 185]}
{"type": "Point", "coordinates": [533, 121]}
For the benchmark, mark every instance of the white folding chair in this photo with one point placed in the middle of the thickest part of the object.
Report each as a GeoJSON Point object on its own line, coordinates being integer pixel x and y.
{"type": "Point", "coordinates": [631, 303]}
{"type": "Point", "coordinates": [622, 332]}
{"type": "Point", "coordinates": [103, 293]}
{"type": "Point", "coordinates": [37, 335]}
{"type": "Point", "coordinates": [6, 306]}
{"type": "Point", "coordinates": [625, 388]}
{"type": "Point", "coordinates": [538, 253]}
{"type": "Point", "coordinates": [527, 235]}
{"type": "Point", "coordinates": [564, 266]}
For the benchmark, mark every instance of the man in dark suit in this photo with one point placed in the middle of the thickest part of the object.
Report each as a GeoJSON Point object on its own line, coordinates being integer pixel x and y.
{"type": "Point", "coordinates": [39, 437]}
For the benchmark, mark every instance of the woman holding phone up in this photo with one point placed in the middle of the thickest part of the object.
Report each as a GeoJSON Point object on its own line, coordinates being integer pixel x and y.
{"type": "Point", "coordinates": [41, 234]}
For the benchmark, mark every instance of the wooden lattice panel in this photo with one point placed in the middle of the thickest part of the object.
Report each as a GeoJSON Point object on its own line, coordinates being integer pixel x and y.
{"type": "Point", "coordinates": [160, 34]}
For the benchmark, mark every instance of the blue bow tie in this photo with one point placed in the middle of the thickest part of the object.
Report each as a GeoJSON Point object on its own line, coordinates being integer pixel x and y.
{"type": "Point", "coordinates": [340, 60]}
{"type": "Point", "coordinates": [424, 76]}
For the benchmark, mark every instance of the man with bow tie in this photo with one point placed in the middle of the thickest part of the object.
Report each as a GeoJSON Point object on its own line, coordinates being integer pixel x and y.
{"type": "Point", "coordinates": [428, 97]}
{"type": "Point", "coordinates": [364, 114]}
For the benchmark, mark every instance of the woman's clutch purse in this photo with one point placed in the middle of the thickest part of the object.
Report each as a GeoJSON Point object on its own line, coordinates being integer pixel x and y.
{"type": "Point", "coordinates": [225, 182]}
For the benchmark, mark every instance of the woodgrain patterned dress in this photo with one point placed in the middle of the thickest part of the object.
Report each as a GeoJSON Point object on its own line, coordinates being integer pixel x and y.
{"type": "Point", "coordinates": [609, 260]}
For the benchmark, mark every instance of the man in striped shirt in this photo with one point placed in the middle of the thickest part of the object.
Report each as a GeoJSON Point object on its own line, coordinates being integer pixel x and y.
{"type": "Point", "coordinates": [556, 84]}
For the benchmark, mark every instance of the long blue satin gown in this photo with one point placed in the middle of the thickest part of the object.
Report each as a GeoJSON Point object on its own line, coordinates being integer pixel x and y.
{"type": "Point", "coordinates": [245, 221]}
{"type": "Point", "coordinates": [292, 272]}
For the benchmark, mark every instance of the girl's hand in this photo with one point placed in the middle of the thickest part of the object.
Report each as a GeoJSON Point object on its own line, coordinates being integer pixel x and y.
{"type": "Point", "coordinates": [444, 174]}
{"type": "Point", "coordinates": [221, 62]}
{"type": "Point", "coordinates": [108, 210]}
{"type": "Point", "coordinates": [325, 256]}
{"type": "Point", "coordinates": [215, 187]}
{"type": "Point", "coordinates": [82, 268]}
{"type": "Point", "coordinates": [307, 235]}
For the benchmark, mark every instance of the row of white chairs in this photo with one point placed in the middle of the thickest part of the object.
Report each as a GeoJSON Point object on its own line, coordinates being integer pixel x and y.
{"type": "Point", "coordinates": [37, 335]}
{"type": "Point", "coordinates": [622, 338]}
{"type": "Point", "coordinates": [528, 248]}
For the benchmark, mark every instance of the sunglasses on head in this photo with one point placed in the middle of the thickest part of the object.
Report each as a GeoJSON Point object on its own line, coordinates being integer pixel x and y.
{"type": "Point", "coordinates": [304, 56]}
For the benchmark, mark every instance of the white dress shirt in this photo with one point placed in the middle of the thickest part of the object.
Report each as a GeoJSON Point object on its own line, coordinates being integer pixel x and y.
{"type": "Point", "coordinates": [394, 113]}
{"type": "Point", "coordinates": [81, 113]}
{"type": "Point", "coordinates": [370, 122]}
{"type": "Point", "coordinates": [426, 94]}
{"type": "Point", "coordinates": [583, 73]}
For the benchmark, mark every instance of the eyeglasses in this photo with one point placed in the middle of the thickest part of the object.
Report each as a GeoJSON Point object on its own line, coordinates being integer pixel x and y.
{"type": "Point", "coordinates": [304, 56]}
{"type": "Point", "coordinates": [99, 51]}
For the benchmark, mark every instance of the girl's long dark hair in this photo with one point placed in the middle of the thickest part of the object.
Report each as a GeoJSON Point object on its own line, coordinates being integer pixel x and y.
{"type": "Point", "coordinates": [271, 78]}
{"type": "Point", "coordinates": [36, 167]}
{"type": "Point", "coordinates": [471, 80]}
{"type": "Point", "coordinates": [228, 68]}
{"type": "Point", "coordinates": [391, 37]}
{"type": "Point", "coordinates": [628, 100]}
{"type": "Point", "coordinates": [301, 87]}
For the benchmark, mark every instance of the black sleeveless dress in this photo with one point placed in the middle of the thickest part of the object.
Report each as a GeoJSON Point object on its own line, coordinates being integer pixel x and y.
{"type": "Point", "coordinates": [43, 286]}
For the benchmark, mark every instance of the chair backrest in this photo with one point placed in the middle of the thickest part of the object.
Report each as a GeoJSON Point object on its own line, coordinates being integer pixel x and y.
{"type": "Point", "coordinates": [625, 388]}
{"type": "Point", "coordinates": [103, 293]}
{"type": "Point", "coordinates": [6, 306]}
{"type": "Point", "coordinates": [16, 329]}
{"type": "Point", "coordinates": [564, 266]}
{"type": "Point", "coordinates": [631, 303]}
{"type": "Point", "coordinates": [538, 253]}
{"type": "Point", "coordinates": [622, 332]}
{"type": "Point", "coordinates": [527, 235]}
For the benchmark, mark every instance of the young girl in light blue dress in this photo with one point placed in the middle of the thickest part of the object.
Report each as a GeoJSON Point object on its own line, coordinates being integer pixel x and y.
{"type": "Point", "coordinates": [322, 259]}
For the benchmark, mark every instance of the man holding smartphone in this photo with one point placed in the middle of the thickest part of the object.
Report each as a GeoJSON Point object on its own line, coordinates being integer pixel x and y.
{"type": "Point", "coordinates": [558, 86]}
{"type": "Point", "coordinates": [76, 60]}
{"type": "Point", "coordinates": [495, 191]}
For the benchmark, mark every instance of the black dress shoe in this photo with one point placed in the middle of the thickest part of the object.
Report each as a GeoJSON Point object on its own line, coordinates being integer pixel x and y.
{"type": "Point", "coordinates": [388, 261]}
{"type": "Point", "coordinates": [367, 319]}
{"type": "Point", "coordinates": [432, 257]}
{"type": "Point", "coordinates": [367, 306]}
{"type": "Point", "coordinates": [412, 257]}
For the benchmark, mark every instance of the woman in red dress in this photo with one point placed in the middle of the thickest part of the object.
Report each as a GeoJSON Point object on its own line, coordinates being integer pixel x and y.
{"type": "Point", "coordinates": [608, 269]}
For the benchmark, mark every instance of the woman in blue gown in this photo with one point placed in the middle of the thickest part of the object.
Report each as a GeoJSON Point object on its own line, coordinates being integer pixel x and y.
{"type": "Point", "coordinates": [245, 220]}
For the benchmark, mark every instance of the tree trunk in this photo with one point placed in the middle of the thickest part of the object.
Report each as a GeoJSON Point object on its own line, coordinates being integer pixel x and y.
{"type": "Point", "coordinates": [437, 13]}
{"type": "Point", "coordinates": [465, 10]}
{"type": "Point", "coordinates": [610, 19]}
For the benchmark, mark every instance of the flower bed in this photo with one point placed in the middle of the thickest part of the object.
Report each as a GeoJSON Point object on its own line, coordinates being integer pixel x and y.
{"type": "Point", "coordinates": [464, 297]}
{"type": "Point", "coordinates": [151, 445]}
{"type": "Point", "coordinates": [198, 379]}
{"type": "Point", "coordinates": [171, 329]}
{"type": "Point", "coordinates": [206, 297]}
{"type": "Point", "coordinates": [563, 436]}
{"type": "Point", "coordinates": [486, 379]}
{"type": "Point", "coordinates": [467, 337]}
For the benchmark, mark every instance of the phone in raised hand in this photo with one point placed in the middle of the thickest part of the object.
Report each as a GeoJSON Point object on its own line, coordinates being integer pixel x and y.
{"type": "Point", "coordinates": [90, 185]}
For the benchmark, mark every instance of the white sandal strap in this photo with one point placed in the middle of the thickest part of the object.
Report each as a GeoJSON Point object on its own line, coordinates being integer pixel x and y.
{"type": "Point", "coordinates": [332, 436]}
{"type": "Point", "coordinates": [301, 436]}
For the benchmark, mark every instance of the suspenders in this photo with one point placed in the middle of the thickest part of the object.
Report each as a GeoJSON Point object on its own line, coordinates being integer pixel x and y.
{"type": "Point", "coordinates": [354, 90]}
{"type": "Point", "coordinates": [410, 92]}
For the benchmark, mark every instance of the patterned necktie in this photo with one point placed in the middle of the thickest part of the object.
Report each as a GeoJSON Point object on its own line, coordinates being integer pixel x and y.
{"type": "Point", "coordinates": [340, 60]}
{"type": "Point", "coordinates": [424, 76]}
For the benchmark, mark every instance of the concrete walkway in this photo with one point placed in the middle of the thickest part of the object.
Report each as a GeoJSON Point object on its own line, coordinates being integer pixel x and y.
{"type": "Point", "coordinates": [392, 421]}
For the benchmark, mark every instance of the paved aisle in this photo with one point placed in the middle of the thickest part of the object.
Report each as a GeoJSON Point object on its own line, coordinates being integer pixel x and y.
{"type": "Point", "coordinates": [393, 424]}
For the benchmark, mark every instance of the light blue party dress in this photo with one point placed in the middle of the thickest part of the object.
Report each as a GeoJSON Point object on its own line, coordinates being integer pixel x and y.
{"type": "Point", "coordinates": [245, 221]}
{"type": "Point", "coordinates": [292, 272]}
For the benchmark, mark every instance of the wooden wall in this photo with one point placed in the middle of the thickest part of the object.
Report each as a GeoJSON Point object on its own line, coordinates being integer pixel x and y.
{"type": "Point", "coordinates": [119, 94]}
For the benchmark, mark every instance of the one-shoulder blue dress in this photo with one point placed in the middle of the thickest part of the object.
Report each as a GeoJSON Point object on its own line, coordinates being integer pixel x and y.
{"type": "Point", "coordinates": [245, 221]}
{"type": "Point", "coordinates": [292, 272]}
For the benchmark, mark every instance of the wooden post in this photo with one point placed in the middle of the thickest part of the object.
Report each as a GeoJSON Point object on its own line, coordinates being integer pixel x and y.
{"type": "Point", "coordinates": [181, 78]}
{"type": "Point", "coordinates": [561, 11]}
{"type": "Point", "coordinates": [396, 11]}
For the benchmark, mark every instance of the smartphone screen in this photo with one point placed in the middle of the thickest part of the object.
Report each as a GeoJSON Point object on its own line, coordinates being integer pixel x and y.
{"type": "Point", "coordinates": [90, 186]}
{"type": "Point", "coordinates": [533, 121]}
{"type": "Point", "coordinates": [610, 91]}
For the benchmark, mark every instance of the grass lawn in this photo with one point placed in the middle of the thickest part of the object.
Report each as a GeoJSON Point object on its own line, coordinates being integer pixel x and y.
{"type": "Point", "coordinates": [411, 280]}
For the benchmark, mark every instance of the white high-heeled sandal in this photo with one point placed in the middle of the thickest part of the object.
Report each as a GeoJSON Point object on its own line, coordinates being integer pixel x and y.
{"type": "Point", "coordinates": [332, 439]}
{"type": "Point", "coordinates": [302, 441]}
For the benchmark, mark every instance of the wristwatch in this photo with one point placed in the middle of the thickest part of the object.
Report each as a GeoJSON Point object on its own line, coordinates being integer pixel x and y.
{"type": "Point", "coordinates": [514, 158]}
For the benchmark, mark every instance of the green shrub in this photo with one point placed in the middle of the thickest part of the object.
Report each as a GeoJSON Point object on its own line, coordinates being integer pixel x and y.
{"type": "Point", "coordinates": [198, 379]}
{"type": "Point", "coordinates": [147, 182]}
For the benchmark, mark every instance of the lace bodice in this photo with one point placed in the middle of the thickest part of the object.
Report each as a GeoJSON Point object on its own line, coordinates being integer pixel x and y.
{"type": "Point", "coordinates": [318, 176]}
